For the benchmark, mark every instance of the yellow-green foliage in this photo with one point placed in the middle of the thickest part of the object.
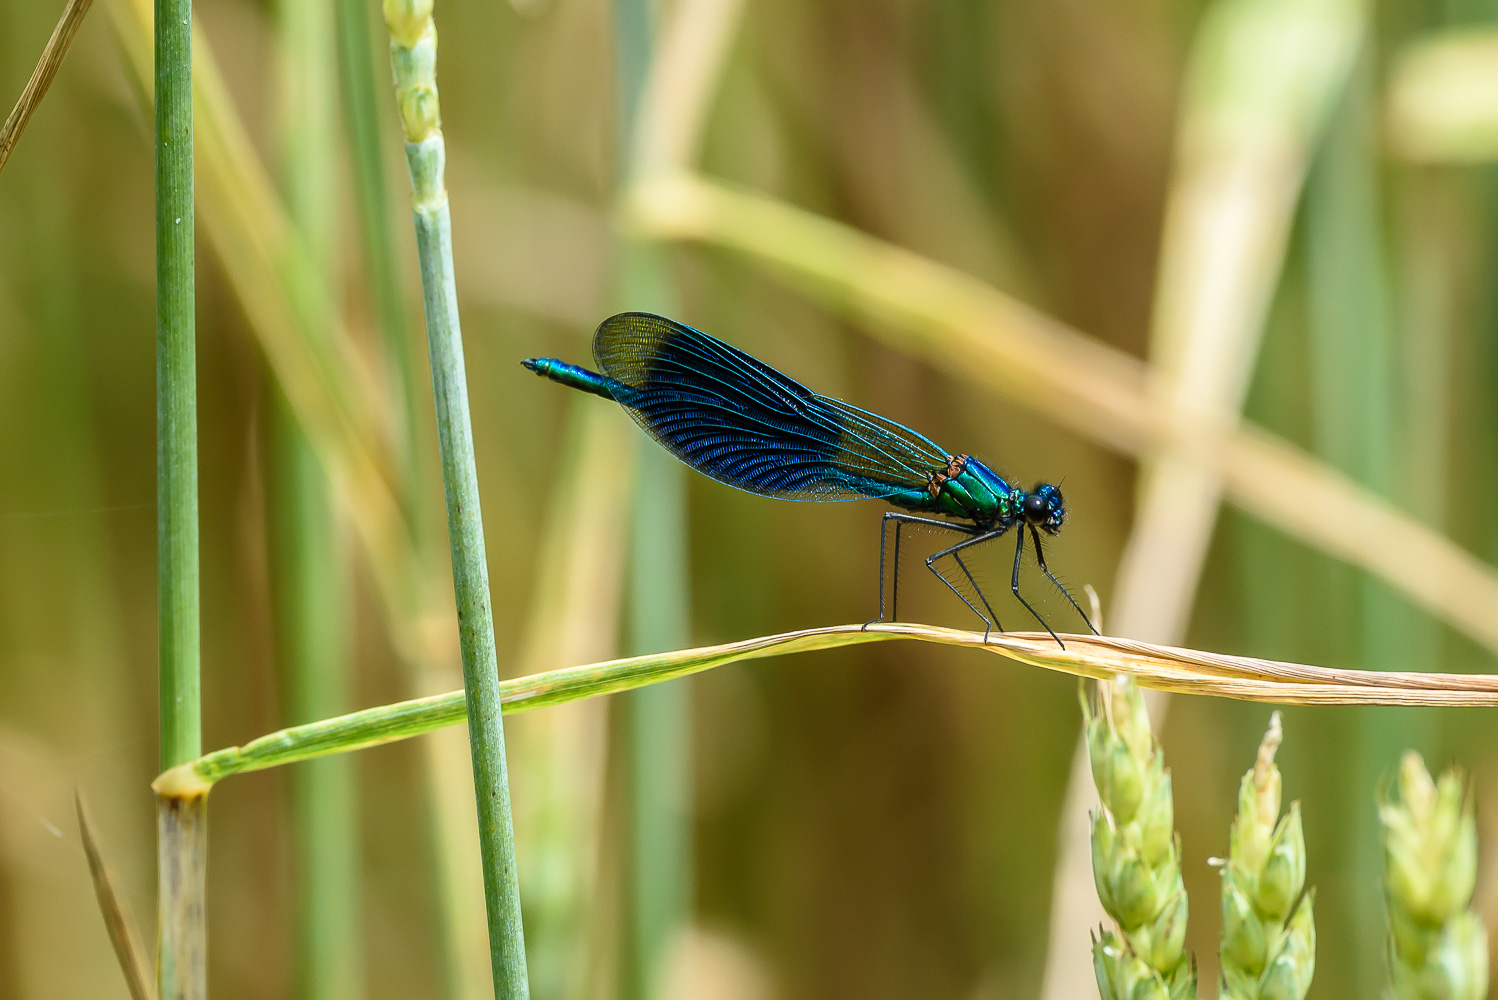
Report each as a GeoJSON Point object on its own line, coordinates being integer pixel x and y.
{"type": "Point", "coordinates": [1437, 946]}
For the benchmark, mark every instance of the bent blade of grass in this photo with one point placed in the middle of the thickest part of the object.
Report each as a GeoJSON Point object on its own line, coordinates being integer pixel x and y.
{"type": "Point", "coordinates": [1164, 668]}
{"type": "Point", "coordinates": [972, 330]}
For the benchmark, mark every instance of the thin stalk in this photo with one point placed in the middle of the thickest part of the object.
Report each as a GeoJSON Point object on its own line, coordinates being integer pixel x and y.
{"type": "Point", "coordinates": [310, 563]}
{"type": "Point", "coordinates": [461, 947]}
{"type": "Point", "coordinates": [658, 718]}
{"type": "Point", "coordinates": [312, 612]}
{"type": "Point", "coordinates": [181, 824]}
{"type": "Point", "coordinates": [660, 722]}
{"type": "Point", "coordinates": [176, 388]}
{"type": "Point", "coordinates": [413, 56]}
{"type": "Point", "coordinates": [1161, 668]}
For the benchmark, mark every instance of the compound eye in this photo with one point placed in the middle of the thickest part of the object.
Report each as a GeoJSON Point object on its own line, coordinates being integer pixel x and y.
{"type": "Point", "coordinates": [1036, 510]}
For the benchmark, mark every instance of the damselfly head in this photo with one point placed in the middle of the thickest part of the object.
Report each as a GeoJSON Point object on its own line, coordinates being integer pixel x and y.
{"type": "Point", "coordinates": [1044, 508]}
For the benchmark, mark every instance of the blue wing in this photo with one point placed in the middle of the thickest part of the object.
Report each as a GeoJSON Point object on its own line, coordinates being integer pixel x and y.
{"type": "Point", "coordinates": [743, 423]}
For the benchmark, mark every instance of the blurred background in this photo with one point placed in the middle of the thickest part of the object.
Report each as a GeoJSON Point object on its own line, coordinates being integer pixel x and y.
{"type": "Point", "coordinates": [1288, 210]}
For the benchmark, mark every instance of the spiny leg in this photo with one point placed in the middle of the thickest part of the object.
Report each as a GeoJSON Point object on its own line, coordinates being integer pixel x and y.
{"type": "Point", "coordinates": [990, 620]}
{"type": "Point", "coordinates": [1019, 551]}
{"type": "Point", "coordinates": [979, 591]}
{"type": "Point", "coordinates": [902, 519]}
{"type": "Point", "coordinates": [1040, 557]}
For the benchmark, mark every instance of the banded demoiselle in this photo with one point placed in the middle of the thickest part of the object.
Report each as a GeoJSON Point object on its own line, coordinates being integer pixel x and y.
{"type": "Point", "coordinates": [741, 422]}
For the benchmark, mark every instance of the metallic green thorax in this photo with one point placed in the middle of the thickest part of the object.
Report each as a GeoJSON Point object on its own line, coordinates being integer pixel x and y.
{"type": "Point", "coordinates": [970, 490]}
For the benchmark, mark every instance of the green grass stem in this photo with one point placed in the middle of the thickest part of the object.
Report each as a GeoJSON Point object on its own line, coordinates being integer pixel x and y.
{"type": "Point", "coordinates": [310, 565]}
{"type": "Point", "coordinates": [413, 56]}
{"type": "Point", "coordinates": [182, 824]}
{"type": "Point", "coordinates": [176, 389]}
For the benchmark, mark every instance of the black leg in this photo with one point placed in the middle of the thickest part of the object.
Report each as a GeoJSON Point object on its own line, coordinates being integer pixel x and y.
{"type": "Point", "coordinates": [901, 520]}
{"type": "Point", "coordinates": [883, 533]}
{"type": "Point", "coordinates": [1019, 551]}
{"type": "Point", "coordinates": [989, 623]}
{"type": "Point", "coordinates": [1040, 557]}
{"type": "Point", "coordinates": [894, 579]}
{"type": "Point", "coordinates": [979, 591]}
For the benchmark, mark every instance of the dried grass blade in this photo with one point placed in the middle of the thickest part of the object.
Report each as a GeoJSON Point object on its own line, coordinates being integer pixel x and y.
{"type": "Point", "coordinates": [41, 77]}
{"type": "Point", "coordinates": [117, 922]}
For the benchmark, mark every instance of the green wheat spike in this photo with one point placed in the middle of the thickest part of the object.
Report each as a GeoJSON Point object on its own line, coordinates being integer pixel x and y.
{"type": "Point", "coordinates": [1437, 945]}
{"type": "Point", "coordinates": [1268, 929]}
{"type": "Point", "coordinates": [1136, 855]}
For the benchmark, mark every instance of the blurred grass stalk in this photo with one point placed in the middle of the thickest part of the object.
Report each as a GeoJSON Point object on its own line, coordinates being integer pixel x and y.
{"type": "Point", "coordinates": [1442, 103]}
{"type": "Point", "coordinates": [361, 103]}
{"type": "Point", "coordinates": [663, 92]}
{"type": "Point", "coordinates": [181, 823]}
{"type": "Point", "coordinates": [560, 756]}
{"type": "Point", "coordinates": [413, 58]}
{"type": "Point", "coordinates": [1261, 82]}
{"type": "Point", "coordinates": [1262, 78]}
{"type": "Point", "coordinates": [309, 562]}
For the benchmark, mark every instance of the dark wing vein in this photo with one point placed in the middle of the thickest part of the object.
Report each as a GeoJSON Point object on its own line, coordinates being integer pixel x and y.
{"type": "Point", "coordinates": [741, 422]}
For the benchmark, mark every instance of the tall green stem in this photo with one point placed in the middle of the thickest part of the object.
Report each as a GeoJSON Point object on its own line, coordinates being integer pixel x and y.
{"type": "Point", "coordinates": [413, 56]}
{"type": "Point", "coordinates": [182, 825]}
{"type": "Point", "coordinates": [310, 582]}
{"type": "Point", "coordinates": [176, 389]}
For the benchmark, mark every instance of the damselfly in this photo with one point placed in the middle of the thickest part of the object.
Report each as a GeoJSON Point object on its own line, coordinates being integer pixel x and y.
{"type": "Point", "coordinates": [741, 422]}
